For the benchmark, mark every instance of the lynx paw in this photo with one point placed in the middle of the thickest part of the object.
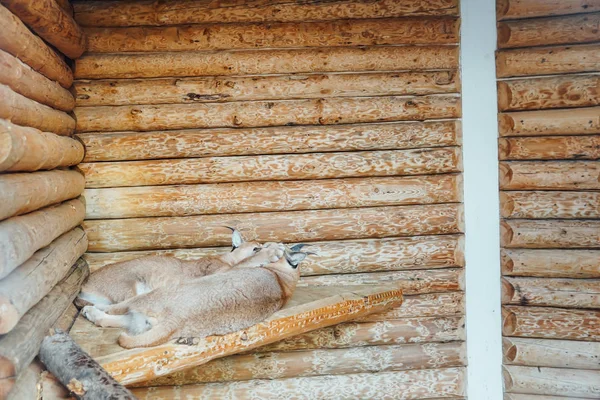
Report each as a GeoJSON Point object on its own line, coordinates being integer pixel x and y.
{"type": "Point", "coordinates": [91, 313]}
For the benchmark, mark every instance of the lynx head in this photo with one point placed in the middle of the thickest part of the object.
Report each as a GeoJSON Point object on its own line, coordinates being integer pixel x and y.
{"type": "Point", "coordinates": [241, 248]}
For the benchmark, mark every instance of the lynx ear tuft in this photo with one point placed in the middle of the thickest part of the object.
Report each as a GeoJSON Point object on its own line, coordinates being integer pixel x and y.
{"type": "Point", "coordinates": [299, 246]}
{"type": "Point", "coordinates": [295, 258]}
{"type": "Point", "coordinates": [236, 237]}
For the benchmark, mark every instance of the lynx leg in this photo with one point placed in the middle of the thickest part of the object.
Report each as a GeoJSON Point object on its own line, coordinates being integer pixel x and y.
{"type": "Point", "coordinates": [100, 318]}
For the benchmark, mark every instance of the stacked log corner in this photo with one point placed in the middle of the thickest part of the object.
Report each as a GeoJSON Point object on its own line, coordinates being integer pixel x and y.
{"type": "Point", "coordinates": [331, 123]}
{"type": "Point", "coordinates": [548, 64]}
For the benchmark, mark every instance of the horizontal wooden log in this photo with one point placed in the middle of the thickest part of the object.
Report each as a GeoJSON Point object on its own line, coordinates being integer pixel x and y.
{"type": "Point", "coordinates": [378, 58]}
{"type": "Point", "coordinates": [417, 384]}
{"type": "Point", "coordinates": [550, 148]}
{"type": "Point", "coordinates": [546, 292]}
{"type": "Point", "coordinates": [21, 345]}
{"type": "Point", "coordinates": [141, 13]}
{"type": "Point", "coordinates": [21, 78]}
{"type": "Point", "coordinates": [551, 353]}
{"type": "Point", "coordinates": [23, 111]}
{"type": "Point", "coordinates": [369, 255]}
{"type": "Point", "coordinates": [119, 146]}
{"type": "Point", "coordinates": [543, 205]}
{"type": "Point", "coordinates": [517, 9]}
{"type": "Point", "coordinates": [517, 396]}
{"type": "Point", "coordinates": [22, 236]}
{"type": "Point", "coordinates": [171, 201]}
{"type": "Point", "coordinates": [569, 29]}
{"type": "Point", "coordinates": [32, 280]}
{"type": "Point", "coordinates": [339, 110]}
{"type": "Point", "coordinates": [423, 305]}
{"type": "Point", "coordinates": [352, 223]}
{"type": "Point", "coordinates": [550, 175]}
{"type": "Point", "coordinates": [548, 60]}
{"type": "Point", "coordinates": [50, 21]}
{"type": "Point", "coordinates": [29, 149]}
{"type": "Point", "coordinates": [19, 41]}
{"type": "Point", "coordinates": [583, 384]}
{"type": "Point", "coordinates": [522, 233]}
{"type": "Point", "coordinates": [21, 193]}
{"type": "Point", "coordinates": [580, 121]}
{"type": "Point", "coordinates": [271, 87]}
{"type": "Point", "coordinates": [368, 359]}
{"type": "Point", "coordinates": [551, 323]}
{"type": "Point", "coordinates": [551, 263]}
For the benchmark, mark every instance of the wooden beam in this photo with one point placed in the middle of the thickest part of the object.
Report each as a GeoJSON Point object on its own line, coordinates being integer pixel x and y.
{"type": "Point", "coordinates": [554, 175]}
{"type": "Point", "coordinates": [549, 92]}
{"type": "Point", "coordinates": [26, 386]}
{"type": "Point", "coordinates": [551, 353]}
{"type": "Point", "coordinates": [551, 263]}
{"type": "Point", "coordinates": [26, 285]}
{"type": "Point", "coordinates": [548, 60]}
{"type": "Point", "coordinates": [22, 236]}
{"type": "Point", "coordinates": [29, 149]}
{"type": "Point", "coordinates": [271, 87]}
{"type": "Point", "coordinates": [517, 396]}
{"type": "Point", "coordinates": [579, 121]}
{"type": "Point", "coordinates": [550, 148]}
{"type": "Point", "coordinates": [354, 223]}
{"type": "Point", "coordinates": [552, 381]}
{"type": "Point", "coordinates": [21, 193]}
{"type": "Point", "coordinates": [20, 110]}
{"type": "Point", "coordinates": [546, 204]}
{"type": "Point", "coordinates": [423, 305]}
{"type": "Point", "coordinates": [523, 233]}
{"type": "Point", "coordinates": [178, 12]}
{"type": "Point", "coordinates": [171, 201]}
{"type": "Point", "coordinates": [551, 323]}
{"type": "Point", "coordinates": [17, 40]}
{"type": "Point", "coordinates": [349, 256]}
{"type": "Point", "coordinates": [344, 110]}
{"type": "Point", "coordinates": [250, 62]}
{"type": "Point", "coordinates": [21, 78]}
{"type": "Point", "coordinates": [49, 20]}
{"type": "Point", "coordinates": [517, 9]}
{"type": "Point", "coordinates": [546, 292]}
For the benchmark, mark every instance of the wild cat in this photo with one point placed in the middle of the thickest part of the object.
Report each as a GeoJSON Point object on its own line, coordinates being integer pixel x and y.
{"type": "Point", "coordinates": [213, 305]}
{"type": "Point", "coordinates": [121, 281]}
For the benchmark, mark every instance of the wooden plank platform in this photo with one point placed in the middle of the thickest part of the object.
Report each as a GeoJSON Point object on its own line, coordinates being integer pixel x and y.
{"type": "Point", "coordinates": [310, 308]}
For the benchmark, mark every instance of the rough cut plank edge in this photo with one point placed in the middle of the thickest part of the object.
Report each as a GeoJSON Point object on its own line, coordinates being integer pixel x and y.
{"type": "Point", "coordinates": [550, 175]}
{"type": "Point", "coordinates": [141, 13]}
{"type": "Point", "coordinates": [49, 20]}
{"type": "Point", "coordinates": [29, 149]}
{"type": "Point", "coordinates": [548, 60]}
{"type": "Point", "coordinates": [550, 234]}
{"type": "Point", "coordinates": [550, 204]}
{"type": "Point", "coordinates": [24, 80]}
{"type": "Point", "coordinates": [17, 40]}
{"type": "Point", "coordinates": [550, 148]}
{"type": "Point", "coordinates": [253, 62]}
{"type": "Point", "coordinates": [583, 384]}
{"type": "Point", "coordinates": [138, 365]}
{"type": "Point", "coordinates": [21, 193]}
{"type": "Point", "coordinates": [126, 146]}
{"type": "Point", "coordinates": [551, 292]}
{"type": "Point", "coordinates": [519, 9]}
{"type": "Point", "coordinates": [551, 263]}
{"type": "Point", "coordinates": [578, 121]}
{"type": "Point", "coordinates": [560, 30]}
{"type": "Point", "coordinates": [551, 353]}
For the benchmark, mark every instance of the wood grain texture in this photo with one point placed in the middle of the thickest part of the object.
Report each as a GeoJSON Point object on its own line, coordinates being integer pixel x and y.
{"type": "Point", "coordinates": [20, 110]}
{"type": "Point", "coordinates": [551, 263]}
{"type": "Point", "coordinates": [19, 41]}
{"type": "Point", "coordinates": [551, 323]}
{"type": "Point", "coordinates": [550, 148]}
{"type": "Point", "coordinates": [549, 92]}
{"type": "Point", "coordinates": [288, 61]}
{"type": "Point", "coordinates": [523, 233]}
{"type": "Point", "coordinates": [344, 110]}
{"type": "Point", "coordinates": [516, 396]}
{"type": "Point", "coordinates": [546, 292]}
{"type": "Point", "coordinates": [422, 305]}
{"type": "Point", "coordinates": [143, 13]}
{"type": "Point", "coordinates": [554, 175]}
{"type": "Point", "coordinates": [294, 226]}
{"type": "Point", "coordinates": [29, 149]}
{"type": "Point", "coordinates": [569, 29]}
{"type": "Point", "coordinates": [548, 60]}
{"type": "Point", "coordinates": [579, 121]}
{"type": "Point", "coordinates": [171, 201]}
{"type": "Point", "coordinates": [552, 381]}
{"type": "Point", "coordinates": [117, 146]}
{"type": "Point", "coordinates": [550, 204]}
{"type": "Point", "coordinates": [551, 353]}
{"type": "Point", "coordinates": [21, 78]}
{"type": "Point", "coordinates": [21, 193]}
{"type": "Point", "coordinates": [348, 256]}
{"type": "Point", "coordinates": [518, 9]}
{"type": "Point", "coordinates": [26, 385]}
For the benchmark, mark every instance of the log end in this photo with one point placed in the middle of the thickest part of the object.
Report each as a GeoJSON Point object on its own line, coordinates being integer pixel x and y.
{"type": "Point", "coordinates": [7, 368]}
{"type": "Point", "coordinates": [508, 382]}
{"type": "Point", "coordinates": [504, 34]}
{"type": "Point", "coordinates": [509, 350]}
{"type": "Point", "coordinates": [6, 385]}
{"type": "Point", "coordinates": [502, 7]}
{"type": "Point", "coordinates": [503, 149]}
{"type": "Point", "coordinates": [459, 252]}
{"type": "Point", "coordinates": [509, 322]}
{"type": "Point", "coordinates": [9, 316]}
{"type": "Point", "coordinates": [506, 263]}
{"type": "Point", "coordinates": [506, 124]}
{"type": "Point", "coordinates": [458, 132]}
{"type": "Point", "coordinates": [506, 234]}
{"type": "Point", "coordinates": [508, 291]}
{"type": "Point", "coordinates": [504, 96]}
{"type": "Point", "coordinates": [507, 205]}
{"type": "Point", "coordinates": [505, 175]}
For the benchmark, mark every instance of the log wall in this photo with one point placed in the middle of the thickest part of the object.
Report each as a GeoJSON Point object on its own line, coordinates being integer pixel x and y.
{"type": "Point", "coordinates": [335, 123]}
{"type": "Point", "coordinates": [549, 122]}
